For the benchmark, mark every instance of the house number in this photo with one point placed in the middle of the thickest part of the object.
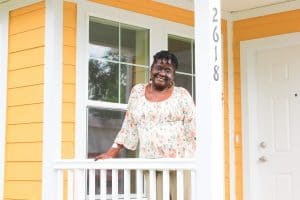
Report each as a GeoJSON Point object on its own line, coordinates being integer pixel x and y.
{"type": "Point", "coordinates": [216, 39]}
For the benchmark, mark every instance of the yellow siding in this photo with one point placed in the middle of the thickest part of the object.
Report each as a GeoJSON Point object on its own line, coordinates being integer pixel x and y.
{"type": "Point", "coordinates": [69, 80]}
{"type": "Point", "coordinates": [153, 8]}
{"type": "Point", "coordinates": [69, 77]}
{"type": "Point", "coordinates": [23, 150]}
{"type": "Point", "coordinates": [226, 114]}
{"type": "Point", "coordinates": [258, 27]}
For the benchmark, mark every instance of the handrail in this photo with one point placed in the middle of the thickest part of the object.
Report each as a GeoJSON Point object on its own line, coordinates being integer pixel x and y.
{"type": "Point", "coordinates": [128, 163]}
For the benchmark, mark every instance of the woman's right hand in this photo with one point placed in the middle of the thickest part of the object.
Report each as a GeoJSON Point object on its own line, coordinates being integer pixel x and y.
{"type": "Point", "coordinates": [106, 155]}
{"type": "Point", "coordinates": [111, 153]}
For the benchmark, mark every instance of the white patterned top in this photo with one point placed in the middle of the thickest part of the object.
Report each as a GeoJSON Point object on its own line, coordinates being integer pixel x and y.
{"type": "Point", "coordinates": [164, 129]}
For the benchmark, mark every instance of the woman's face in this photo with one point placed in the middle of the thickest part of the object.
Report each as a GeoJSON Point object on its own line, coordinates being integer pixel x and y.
{"type": "Point", "coordinates": [162, 74]}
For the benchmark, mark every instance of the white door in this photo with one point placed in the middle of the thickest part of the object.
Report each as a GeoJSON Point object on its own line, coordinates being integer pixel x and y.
{"type": "Point", "coordinates": [273, 140]}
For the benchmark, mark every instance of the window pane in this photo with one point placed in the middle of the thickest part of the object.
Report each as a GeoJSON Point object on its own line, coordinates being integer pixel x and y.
{"type": "Point", "coordinates": [134, 45]}
{"type": "Point", "coordinates": [182, 48]}
{"type": "Point", "coordinates": [130, 76]}
{"type": "Point", "coordinates": [184, 81]}
{"type": "Point", "coordinates": [103, 126]}
{"type": "Point", "coordinates": [104, 39]}
{"type": "Point", "coordinates": [103, 80]}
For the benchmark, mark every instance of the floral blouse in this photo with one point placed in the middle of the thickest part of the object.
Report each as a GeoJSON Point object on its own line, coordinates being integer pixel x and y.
{"type": "Point", "coordinates": [164, 129]}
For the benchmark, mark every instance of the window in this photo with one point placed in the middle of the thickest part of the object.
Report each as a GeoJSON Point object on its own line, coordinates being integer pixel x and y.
{"type": "Point", "coordinates": [184, 49]}
{"type": "Point", "coordinates": [118, 59]}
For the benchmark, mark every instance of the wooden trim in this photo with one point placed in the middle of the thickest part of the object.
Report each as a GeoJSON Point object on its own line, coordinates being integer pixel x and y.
{"type": "Point", "coordinates": [153, 8]}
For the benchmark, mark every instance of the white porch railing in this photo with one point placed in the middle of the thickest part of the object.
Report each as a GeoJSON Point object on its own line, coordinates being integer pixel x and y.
{"type": "Point", "coordinates": [82, 174]}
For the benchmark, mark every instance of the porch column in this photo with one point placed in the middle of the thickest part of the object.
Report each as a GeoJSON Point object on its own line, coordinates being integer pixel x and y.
{"type": "Point", "coordinates": [209, 100]}
{"type": "Point", "coordinates": [3, 88]}
{"type": "Point", "coordinates": [52, 96]}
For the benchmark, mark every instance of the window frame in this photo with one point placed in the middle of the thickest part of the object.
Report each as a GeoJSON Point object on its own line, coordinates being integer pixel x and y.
{"type": "Point", "coordinates": [158, 40]}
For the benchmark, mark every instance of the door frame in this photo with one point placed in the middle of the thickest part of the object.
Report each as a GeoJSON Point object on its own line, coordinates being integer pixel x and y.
{"type": "Point", "coordinates": [248, 51]}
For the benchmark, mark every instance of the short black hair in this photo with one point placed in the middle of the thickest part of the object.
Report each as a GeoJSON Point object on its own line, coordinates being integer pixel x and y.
{"type": "Point", "coordinates": [164, 54]}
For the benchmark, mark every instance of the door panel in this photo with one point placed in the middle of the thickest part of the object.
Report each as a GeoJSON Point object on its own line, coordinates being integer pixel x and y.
{"type": "Point", "coordinates": [276, 145]}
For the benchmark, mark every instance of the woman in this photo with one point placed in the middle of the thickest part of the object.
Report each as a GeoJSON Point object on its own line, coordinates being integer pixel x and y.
{"type": "Point", "coordinates": [160, 117]}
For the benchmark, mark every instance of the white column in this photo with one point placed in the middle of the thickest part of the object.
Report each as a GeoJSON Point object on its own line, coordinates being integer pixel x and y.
{"type": "Point", "coordinates": [3, 89]}
{"type": "Point", "coordinates": [209, 103]}
{"type": "Point", "coordinates": [52, 96]}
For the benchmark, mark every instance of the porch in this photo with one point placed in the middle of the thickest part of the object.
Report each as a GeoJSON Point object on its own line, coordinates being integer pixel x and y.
{"type": "Point", "coordinates": [121, 178]}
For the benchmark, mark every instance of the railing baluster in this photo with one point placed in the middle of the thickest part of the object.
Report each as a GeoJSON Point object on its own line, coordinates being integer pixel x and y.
{"type": "Point", "coordinates": [152, 184]}
{"type": "Point", "coordinates": [180, 185]}
{"type": "Point", "coordinates": [103, 184]}
{"type": "Point", "coordinates": [193, 184]}
{"type": "Point", "coordinates": [60, 185]}
{"type": "Point", "coordinates": [114, 184]}
{"type": "Point", "coordinates": [127, 184]}
{"type": "Point", "coordinates": [70, 185]}
{"type": "Point", "coordinates": [92, 184]}
{"type": "Point", "coordinates": [166, 185]}
{"type": "Point", "coordinates": [80, 178]}
{"type": "Point", "coordinates": [77, 175]}
{"type": "Point", "coordinates": [139, 184]}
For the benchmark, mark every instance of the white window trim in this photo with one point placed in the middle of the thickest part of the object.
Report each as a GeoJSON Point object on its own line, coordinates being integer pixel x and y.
{"type": "Point", "coordinates": [157, 34]}
{"type": "Point", "coordinates": [3, 90]}
{"type": "Point", "coordinates": [52, 95]}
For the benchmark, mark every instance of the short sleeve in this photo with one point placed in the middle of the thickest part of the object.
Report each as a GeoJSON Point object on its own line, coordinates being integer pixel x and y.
{"type": "Point", "coordinates": [128, 135]}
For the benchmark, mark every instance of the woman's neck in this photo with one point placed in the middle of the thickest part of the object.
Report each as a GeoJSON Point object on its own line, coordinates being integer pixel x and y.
{"type": "Point", "coordinates": [157, 94]}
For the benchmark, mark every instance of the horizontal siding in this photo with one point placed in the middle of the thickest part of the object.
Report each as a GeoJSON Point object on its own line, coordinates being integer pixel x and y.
{"type": "Point", "coordinates": [25, 95]}
{"type": "Point", "coordinates": [31, 132]}
{"type": "Point", "coordinates": [69, 79]}
{"type": "Point", "coordinates": [23, 77]}
{"type": "Point", "coordinates": [25, 114]}
{"type": "Point", "coordinates": [69, 130]}
{"type": "Point", "coordinates": [23, 171]}
{"type": "Point", "coordinates": [153, 8]}
{"type": "Point", "coordinates": [69, 55]}
{"type": "Point", "coordinates": [27, 40]}
{"type": "Point", "coordinates": [19, 23]}
{"type": "Point", "coordinates": [19, 60]}
{"type": "Point", "coordinates": [69, 74]}
{"type": "Point", "coordinates": [253, 28]}
{"type": "Point", "coordinates": [21, 190]}
{"type": "Point", "coordinates": [23, 154]}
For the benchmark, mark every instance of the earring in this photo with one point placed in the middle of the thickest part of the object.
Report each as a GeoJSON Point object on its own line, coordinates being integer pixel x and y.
{"type": "Point", "coordinates": [172, 83]}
